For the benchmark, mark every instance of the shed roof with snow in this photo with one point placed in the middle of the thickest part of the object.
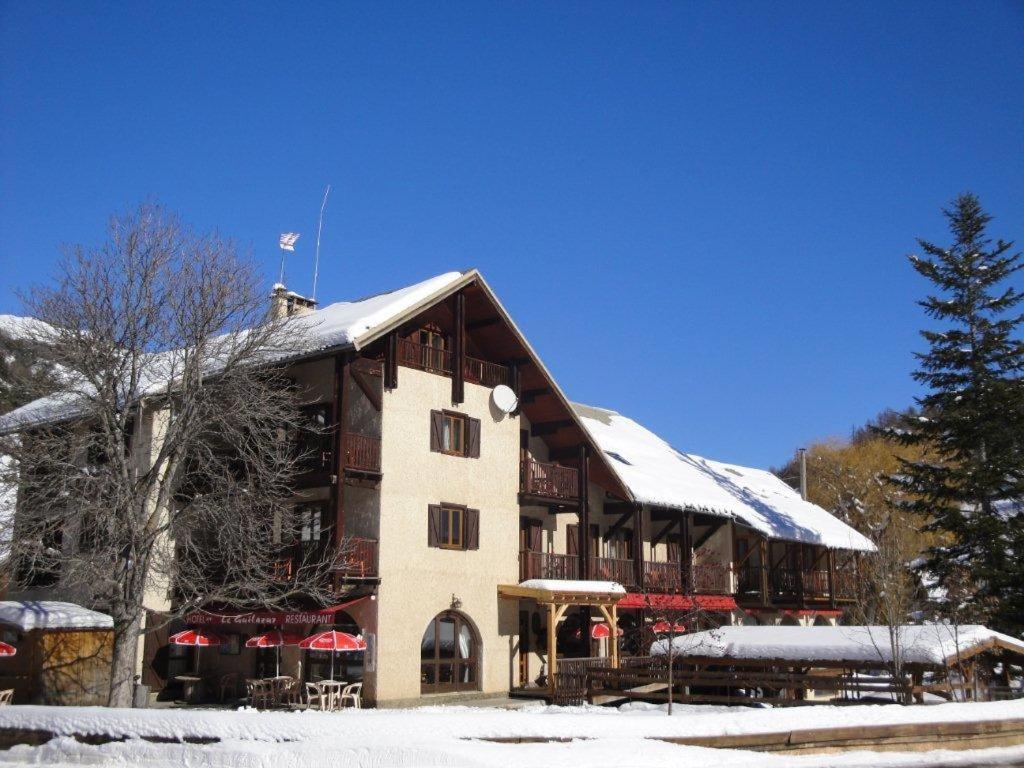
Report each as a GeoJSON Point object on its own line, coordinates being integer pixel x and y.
{"type": "Point", "coordinates": [659, 475]}
{"type": "Point", "coordinates": [925, 644]}
{"type": "Point", "coordinates": [51, 615]}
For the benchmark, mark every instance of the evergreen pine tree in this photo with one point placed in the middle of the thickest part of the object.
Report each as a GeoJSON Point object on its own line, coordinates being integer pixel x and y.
{"type": "Point", "coordinates": [971, 490]}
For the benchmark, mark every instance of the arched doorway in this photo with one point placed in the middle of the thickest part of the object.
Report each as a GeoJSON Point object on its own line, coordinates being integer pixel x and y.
{"type": "Point", "coordinates": [449, 655]}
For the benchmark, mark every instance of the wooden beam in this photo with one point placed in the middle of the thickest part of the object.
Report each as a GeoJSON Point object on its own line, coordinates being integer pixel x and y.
{"type": "Point", "coordinates": [459, 374]}
{"type": "Point", "coordinates": [766, 595]}
{"type": "Point", "coordinates": [549, 427]}
{"type": "Point", "coordinates": [686, 554]}
{"type": "Point", "coordinates": [368, 387]}
{"type": "Point", "coordinates": [391, 361]}
{"type": "Point", "coordinates": [831, 578]}
{"type": "Point", "coordinates": [664, 532]}
{"type": "Point", "coordinates": [617, 525]}
{"type": "Point", "coordinates": [638, 547]}
{"type": "Point", "coordinates": [529, 395]}
{"type": "Point", "coordinates": [476, 325]}
{"type": "Point", "coordinates": [715, 528]}
{"type": "Point", "coordinates": [584, 512]}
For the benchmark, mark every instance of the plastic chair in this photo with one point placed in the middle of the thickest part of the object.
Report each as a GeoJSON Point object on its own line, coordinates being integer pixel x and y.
{"type": "Point", "coordinates": [353, 693]}
{"type": "Point", "coordinates": [259, 693]}
{"type": "Point", "coordinates": [229, 684]}
{"type": "Point", "coordinates": [314, 696]}
{"type": "Point", "coordinates": [6, 696]}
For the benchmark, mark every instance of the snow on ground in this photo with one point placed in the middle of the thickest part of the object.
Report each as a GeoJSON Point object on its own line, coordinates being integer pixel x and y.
{"type": "Point", "coordinates": [450, 736]}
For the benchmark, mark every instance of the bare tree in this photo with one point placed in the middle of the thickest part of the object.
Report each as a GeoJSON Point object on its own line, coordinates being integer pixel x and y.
{"type": "Point", "coordinates": [162, 466]}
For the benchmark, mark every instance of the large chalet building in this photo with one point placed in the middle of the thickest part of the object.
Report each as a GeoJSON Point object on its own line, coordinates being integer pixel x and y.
{"type": "Point", "coordinates": [464, 509]}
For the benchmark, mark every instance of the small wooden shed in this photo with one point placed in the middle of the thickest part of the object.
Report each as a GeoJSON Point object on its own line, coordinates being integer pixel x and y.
{"type": "Point", "coordinates": [64, 652]}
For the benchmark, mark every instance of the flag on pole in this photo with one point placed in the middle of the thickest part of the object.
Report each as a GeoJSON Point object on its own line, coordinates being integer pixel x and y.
{"type": "Point", "coordinates": [288, 241]}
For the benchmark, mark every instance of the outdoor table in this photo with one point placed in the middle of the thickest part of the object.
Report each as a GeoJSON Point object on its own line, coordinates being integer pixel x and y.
{"type": "Point", "coordinates": [331, 690]}
{"type": "Point", "coordinates": [191, 687]}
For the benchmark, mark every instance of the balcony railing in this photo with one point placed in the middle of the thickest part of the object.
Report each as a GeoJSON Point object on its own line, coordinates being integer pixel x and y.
{"type": "Point", "coordinates": [362, 453]}
{"type": "Point", "coordinates": [618, 569]}
{"type": "Point", "coordinates": [662, 577]}
{"type": "Point", "coordinates": [359, 558]}
{"type": "Point", "coordinates": [547, 565]}
{"type": "Point", "coordinates": [436, 360]}
{"type": "Point", "coordinates": [552, 481]}
{"type": "Point", "coordinates": [784, 584]}
{"type": "Point", "coordinates": [711, 579]}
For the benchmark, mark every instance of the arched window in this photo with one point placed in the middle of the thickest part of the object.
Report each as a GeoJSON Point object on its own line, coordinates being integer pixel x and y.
{"type": "Point", "coordinates": [449, 655]}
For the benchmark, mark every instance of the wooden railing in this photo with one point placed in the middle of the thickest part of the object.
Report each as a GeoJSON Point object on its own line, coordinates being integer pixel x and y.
{"type": "Point", "coordinates": [442, 361]}
{"type": "Point", "coordinates": [549, 480]}
{"type": "Point", "coordinates": [711, 579]}
{"type": "Point", "coordinates": [618, 569]}
{"type": "Point", "coordinates": [547, 565]}
{"type": "Point", "coordinates": [361, 452]}
{"type": "Point", "coordinates": [816, 583]}
{"type": "Point", "coordinates": [662, 577]}
{"type": "Point", "coordinates": [784, 583]}
{"type": "Point", "coordinates": [485, 373]}
{"type": "Point", "coordinates": [426, 358]}
{"type": "Point", "coordinates": [359, 558]}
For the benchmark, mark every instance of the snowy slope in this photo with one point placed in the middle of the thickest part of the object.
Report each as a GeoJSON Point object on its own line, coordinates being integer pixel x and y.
{"type": "Point", "coordinates": [658, 474]}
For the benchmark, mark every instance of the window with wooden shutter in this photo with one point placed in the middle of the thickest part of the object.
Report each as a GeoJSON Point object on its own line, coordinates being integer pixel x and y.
{"type": "Point", "coordinates": [436, 429]}
{"type": "Point", "coordinates": [434, 525]}
{"type": "Point", "coordinates": [572, 539]}
{"type": "Point", "coordinates": [473, 438]}
{"type": "Point", "coordinates": [471, 538]}
{"type": "Point", "coordinates": [454, 434]}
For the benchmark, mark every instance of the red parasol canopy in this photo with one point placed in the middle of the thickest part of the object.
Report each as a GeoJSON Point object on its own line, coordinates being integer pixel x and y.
{"type": "Point", "coordinates": [602, 630]}
{"type": "Point", "coordinates": [664, 627]}
{"type": "Point", "coordinates": [197, 638]}
{"type": "Point", "coordinates": [274, 639]}
{"type": "Point", "coordinates": [334, 641]}
{"type": "Point", "coordinates": [7, 650]}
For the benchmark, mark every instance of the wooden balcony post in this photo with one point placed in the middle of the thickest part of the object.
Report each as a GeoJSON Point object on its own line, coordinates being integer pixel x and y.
{"type": "Point", "coordinates": [686, 552]}
{"type": "Point", "coordinates": [459, 374]}
{"type": "Point", "coordinates": [800, 575]}
{"type": "Point", "coordinates": [638, 547]}
{"type": "Point", "coordinates": [391, 361]}
{"type": "Point", "coordinates": [341, 370]}
{"type": "Point", "coordinates": [832, 578]}
{"type": "Point", "coordinates": [584, 513]}
{"type": "Point", "coordinates": [766, 595]}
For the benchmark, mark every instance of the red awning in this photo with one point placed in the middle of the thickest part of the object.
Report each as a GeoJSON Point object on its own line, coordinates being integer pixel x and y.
{"type": "Point", "coordinates": [270, 618]}
{"type": "Point", "coordinates": [668, 602]}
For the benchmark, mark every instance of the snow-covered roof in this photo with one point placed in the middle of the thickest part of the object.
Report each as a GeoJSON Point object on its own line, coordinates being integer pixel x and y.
{"type": "Point", "coordinates": [342, 324]}
{"type": "Point", "coordinates": [658, 474]}
{"type": "Point", "coordinates": [52, 615]}
{"type": "Point", "coordinates": [574, 586]}
{"type": "Point", "coordinates": [921, 644]}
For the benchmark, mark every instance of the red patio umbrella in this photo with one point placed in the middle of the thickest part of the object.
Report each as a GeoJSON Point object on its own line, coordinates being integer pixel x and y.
{"type": "Point", "coordinates": [274, 639]}
{"type": "Point", "coordinates": [7, 650]}
{"type": "Point", "coordinates": [197, 639]}
{"type": "Point", "coordinates": [334, 641]}
{"type": "Point", "coordinates": [665, 627]}
{"type": "Point", "coordinates": [602, 630]}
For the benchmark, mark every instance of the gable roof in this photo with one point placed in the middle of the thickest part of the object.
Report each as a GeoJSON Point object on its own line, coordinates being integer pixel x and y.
{"type": "Point", "coordinates": [659, 475]}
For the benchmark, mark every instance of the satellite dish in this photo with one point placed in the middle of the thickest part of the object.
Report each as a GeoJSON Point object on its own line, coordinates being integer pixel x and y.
{"type": "Point", "coordinates": [504, 399]}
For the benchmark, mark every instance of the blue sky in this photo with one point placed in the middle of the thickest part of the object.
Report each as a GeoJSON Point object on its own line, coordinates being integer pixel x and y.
{"type": "Point", "coordinates": [698, 212]}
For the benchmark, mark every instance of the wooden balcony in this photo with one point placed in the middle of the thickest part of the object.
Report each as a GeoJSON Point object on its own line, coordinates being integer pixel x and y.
{"type": "Point", "coordinates": [361, 453]}
{"type": "Point", "coordinates": [618, 569]}
{"type": "Point", "coordinates": [787, 585]}
{"type": "Point", "coordinates": [710, 579]}
{"type": "Point", "coordinates": [358, 561]}
{"type": "Point", "coordinates": [663, 577]}
{"type": "Point", "coordinates": [442, 361]}
{"type": "Point", "coordinates": [545, 483]}
{"type": "Point", "coordinates": [547, 565]}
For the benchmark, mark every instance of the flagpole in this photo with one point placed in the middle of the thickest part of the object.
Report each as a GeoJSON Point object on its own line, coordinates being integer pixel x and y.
{"type": "Point", "coordinates": [319, 229]}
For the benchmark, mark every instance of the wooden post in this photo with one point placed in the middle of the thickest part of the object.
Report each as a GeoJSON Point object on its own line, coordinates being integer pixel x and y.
{"type": "Point", "coordinates": [832, 578]}
{"type": "Point", "coordinates": [391, 361]}
{"type": "Point", "coordinates": [800, 575]}
{"type": "Point", "coordinates": [459, 374]}
{"type": "Point", "coordinates": [341, 366]}
{"type": "Point", "coordinates": [584, 513]}
{"type": "Point", "coordinates": [552, 647]}
{"type": "Point", "coordinates": [615, 636]}
{"type": "Point", "coordinates": [766, 595]}
{"type": "Point", "coordinates": [686, 547]}
{"type": "Point", "coordinates": [638, 547]}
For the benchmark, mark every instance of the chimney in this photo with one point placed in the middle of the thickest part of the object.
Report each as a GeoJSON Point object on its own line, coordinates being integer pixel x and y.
{"type": "Point", "coordinates": [285, 303]}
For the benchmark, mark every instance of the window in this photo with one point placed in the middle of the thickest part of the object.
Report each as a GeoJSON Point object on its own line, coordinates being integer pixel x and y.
{"type": "Point", "coordinates": [451, 526]}
{"type": "Point", "coordinates": [313, 441]}
{"type": "Point", "coordinates": [454, 434]}
{"type": "Point", "coordinates": [433, 349]}
{"type": "Point", "coordinates": [449, 655]}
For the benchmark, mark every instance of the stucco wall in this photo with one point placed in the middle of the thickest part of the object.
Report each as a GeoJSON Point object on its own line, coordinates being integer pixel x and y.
{"type": "Point", "coordinates": [417, 581]}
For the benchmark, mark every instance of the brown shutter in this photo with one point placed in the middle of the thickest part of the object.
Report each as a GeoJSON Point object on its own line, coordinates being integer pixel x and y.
{"type": "Point", "coordinates": [572, 540]}
{"type": "Point", "coordinates": [535, 536]}
{"type": "Point", "coordinates": [434, 525]}
{"type": "Point", "coordinates": [471, 535]}
{"type": "Point", "coordinates": [436, 430]}
{"type": "Point", "coordinates": [473, 439]}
